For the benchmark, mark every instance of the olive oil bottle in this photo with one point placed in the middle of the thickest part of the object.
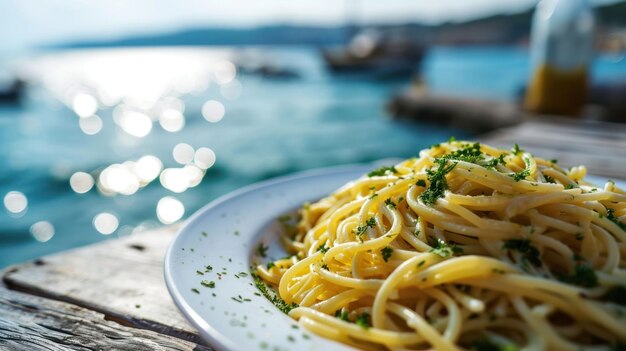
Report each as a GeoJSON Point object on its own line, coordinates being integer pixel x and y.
{"type": "Point", "coordinates": [561, 52]}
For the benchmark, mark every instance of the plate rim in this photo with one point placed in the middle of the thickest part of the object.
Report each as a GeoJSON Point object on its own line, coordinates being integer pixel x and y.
{"type": "Point", "coordinates": [216, 339]}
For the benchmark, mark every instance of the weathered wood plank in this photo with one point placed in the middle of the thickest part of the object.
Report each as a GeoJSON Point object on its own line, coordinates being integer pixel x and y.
{"type": "Point", "coordinates": [121, 278]}
{"type": "Point", "coordinates": [597, 145]}
{"type": "Point", "coordinates": [32, 323]}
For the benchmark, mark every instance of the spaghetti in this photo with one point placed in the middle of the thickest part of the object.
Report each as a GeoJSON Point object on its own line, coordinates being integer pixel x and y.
{"type": "Point", "coordinates": [465, 247]}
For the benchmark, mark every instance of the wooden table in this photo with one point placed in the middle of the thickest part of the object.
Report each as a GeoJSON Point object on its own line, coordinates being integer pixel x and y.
{"type": "Point", "coordinates": [112, 295]}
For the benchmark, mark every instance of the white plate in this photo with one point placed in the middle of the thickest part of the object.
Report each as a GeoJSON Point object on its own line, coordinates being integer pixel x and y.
{"type": "Point", "coordinates": [234, 225]}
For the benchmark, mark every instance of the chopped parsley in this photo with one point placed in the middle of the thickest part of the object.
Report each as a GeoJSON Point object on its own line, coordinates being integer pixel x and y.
{"type": "Point", "coordinates": [195, 290]}
{"type": "Point", "coordinates": [343, 315]}
{"type": "Point", "coordinates": [549, 179]}
{"type": "Point", "coordinates": [421, 183]}
{"type": "Point", "coordinates": [370, 223]}
{"type": "Point", "coordinates": [616, 295]}
{"type": "Point", "coordinates": [610, 214]}
{"type": "Point", "coordinates": [488, 345]}
{"type": "Point", "coordinates": [390, 203]}
{"type": "Point", "coordinates": [516, 150]}
{"type": "Point", "coordinates": [438, 184]}
{"type": "Point", "coordinates": [583, 276]}
{"type": "Point", "coordinates": [517, 176]}
{"type": "Point", "coordinates": [382, 171]}
{"type": "Point", "coordinates": [208, 284]}
{"type": "Point", "coordinates": [322, 248]}
{"type": "Point", "coordinates": [444, 249]}
{"type": "Point", "coordinates": [570, 186]}
{"type": "Point", "coordinates": [494, 162]}
{"type": "Point", "coordinates": [272, 297]}
{"type": "Point", "coordinates": [261, 250]}
{"type": "Point", "coordinates": [270, 264]}
{"type": "Point", "coordinates": [529, 252]}
{"type": "Point", "coordinates": [325, 266]}
{"type": "Point", "coordinates": [386, 252]}
{"type": "Point", "coordinates": [470, 153]}
{"type": "Point", "coordinates": [208, 268]}
{"type": "Point", "coordinates": [363, 320]}
{"type": "Point", "coordinates": [421, 263]}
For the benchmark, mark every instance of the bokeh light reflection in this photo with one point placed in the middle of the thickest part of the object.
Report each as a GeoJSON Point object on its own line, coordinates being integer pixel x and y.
{"type": "Point", "coordinates": [135, 123]}
{"type": "Point", "coordinates": [183, 153]}
{"type": "Point", "coordinates": [169, 210]}
{"type": "Point", "coordinates": [213, 111]}
{"type": "Point", "coordinates": [224, 72]}
{"type": "Point", "coordinates": [204, 158]}
{"type": "Point", "coordinates": [172, 120]}
{"type": "Point", "coordinates": [147, 168]}
{"type": "Point", "coordinates": [90, 125]}
{"type": "Point", "coordinates": [174, 179]}
{"type": "Point", "coordinates": [42, 231]}
{"type": "Point", "coordinates": [81, 182]}
{"type": "Point", "coordinates": [118, 179]}
{"type": "Point", "coordinates": [15, 202]}
{"type": "Point", "coordinates": [84, 105]}
{"type": "Point", "coordinates": [105, 223]}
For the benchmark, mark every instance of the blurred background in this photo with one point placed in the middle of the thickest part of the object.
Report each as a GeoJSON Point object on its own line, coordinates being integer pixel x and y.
{"type": "Point", "coordinates": [117, 116]}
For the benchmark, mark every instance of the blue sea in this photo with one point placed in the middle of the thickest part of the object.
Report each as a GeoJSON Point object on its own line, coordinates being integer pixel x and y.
{"type": "Point", "coordinates": [110, 142]}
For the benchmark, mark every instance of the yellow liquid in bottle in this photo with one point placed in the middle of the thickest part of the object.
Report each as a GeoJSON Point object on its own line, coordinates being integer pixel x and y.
{"type": "Point", "coordinates": [555, 91]}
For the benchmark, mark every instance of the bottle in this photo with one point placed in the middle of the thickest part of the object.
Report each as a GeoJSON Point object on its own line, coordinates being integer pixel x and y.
{"type": "Point", "coordinates": [561, 52]}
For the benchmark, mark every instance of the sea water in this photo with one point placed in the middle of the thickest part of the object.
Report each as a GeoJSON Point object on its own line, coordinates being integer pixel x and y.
{"type": "Point", "coordinates": [270, 127]}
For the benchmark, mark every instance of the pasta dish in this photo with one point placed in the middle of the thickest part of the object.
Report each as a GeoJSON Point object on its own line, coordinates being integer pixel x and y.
{"type": "Point", "coordinates": [466, 247]}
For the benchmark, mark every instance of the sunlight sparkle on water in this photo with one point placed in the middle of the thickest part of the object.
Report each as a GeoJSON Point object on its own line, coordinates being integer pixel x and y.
{"type": "Point", "coordinates": [15, 202]}
{"type": "Point", "coordinates": [118, 179]}
{"type": "Point", "coordinates": [204, 158]}
{"type": "Point", "coordinates": [42, 231]}
{"type": "Point", "coordinates": [90, 125]}
{"type": "Point", "coordinates": [136, 124]}
{"type": "Point", "coordinates": [224, 72]}
{"type": "Point", "coordinates": [147, 168]}
{"type": "Point", "coordinates": [81, 182]}
{"type": "Point", "coordinates": [172, 120]}
{"type": "Point", "coordinates": [174, 179]}
{"type": "Point", "coordinates": [169, 210]}
{"type": "Point", "coordinates": [183, 153]}
{"type": "Point", "coordinates": [213, 111]}
{"type": "Point", "coordinates": [105, 223]}
{"type": "Point", "coordinates": [84, 105]}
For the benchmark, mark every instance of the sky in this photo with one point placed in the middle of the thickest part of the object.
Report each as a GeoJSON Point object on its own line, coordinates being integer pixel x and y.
{"type": "Point", "coordinates": [27, 23]}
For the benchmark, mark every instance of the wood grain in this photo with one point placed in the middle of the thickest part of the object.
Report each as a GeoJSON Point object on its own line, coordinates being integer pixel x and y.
{"type": "Point", "coordinates": [122, 279]}
{"type": "Point", "coordinates": [32, 323]}
{"type": "Point", "coordinates": [598, 145]}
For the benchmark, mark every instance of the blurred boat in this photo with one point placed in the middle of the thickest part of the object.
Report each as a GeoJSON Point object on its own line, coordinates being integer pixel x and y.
{"type": "Point", "coordinates": [375, 53]}
{"type": "Point", "coordinates": [11, 90]}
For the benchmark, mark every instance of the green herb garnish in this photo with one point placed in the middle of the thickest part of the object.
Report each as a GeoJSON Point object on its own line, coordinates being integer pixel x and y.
{"type": "Point", "coordinates": [438, 184]}
{"type": "Point", "coordinates": [444, 249]}
{"type": "Point", "coordinates": [616, 295]}
{"type": "Point", "coordinates": [322, 248]}
{"type": "Point", "coordinates": [382, 171]}
{"type": "Point", "coordinates": [363, 320]}
{"type": "Point", "coordinates": [261, 250]}
{"type": "Point", "coordinates": [583, 276]}
{"type": "Point", "coordinates": [390, 203]}
{"type": "Point", "coordinates": [386, 252]}
{"type": "Point", "coordinates": [272, 297]}
{"type": "Point", "coordinates": [208, 284]}
{"type": "Point", "coordinates": [529, 252]}
{"type": "Point", "coordinates": [421, 183]}
{"type": "Point", "coordinates": [610, 214]}
{"type": "Point", "coordinates": [370, 223]}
